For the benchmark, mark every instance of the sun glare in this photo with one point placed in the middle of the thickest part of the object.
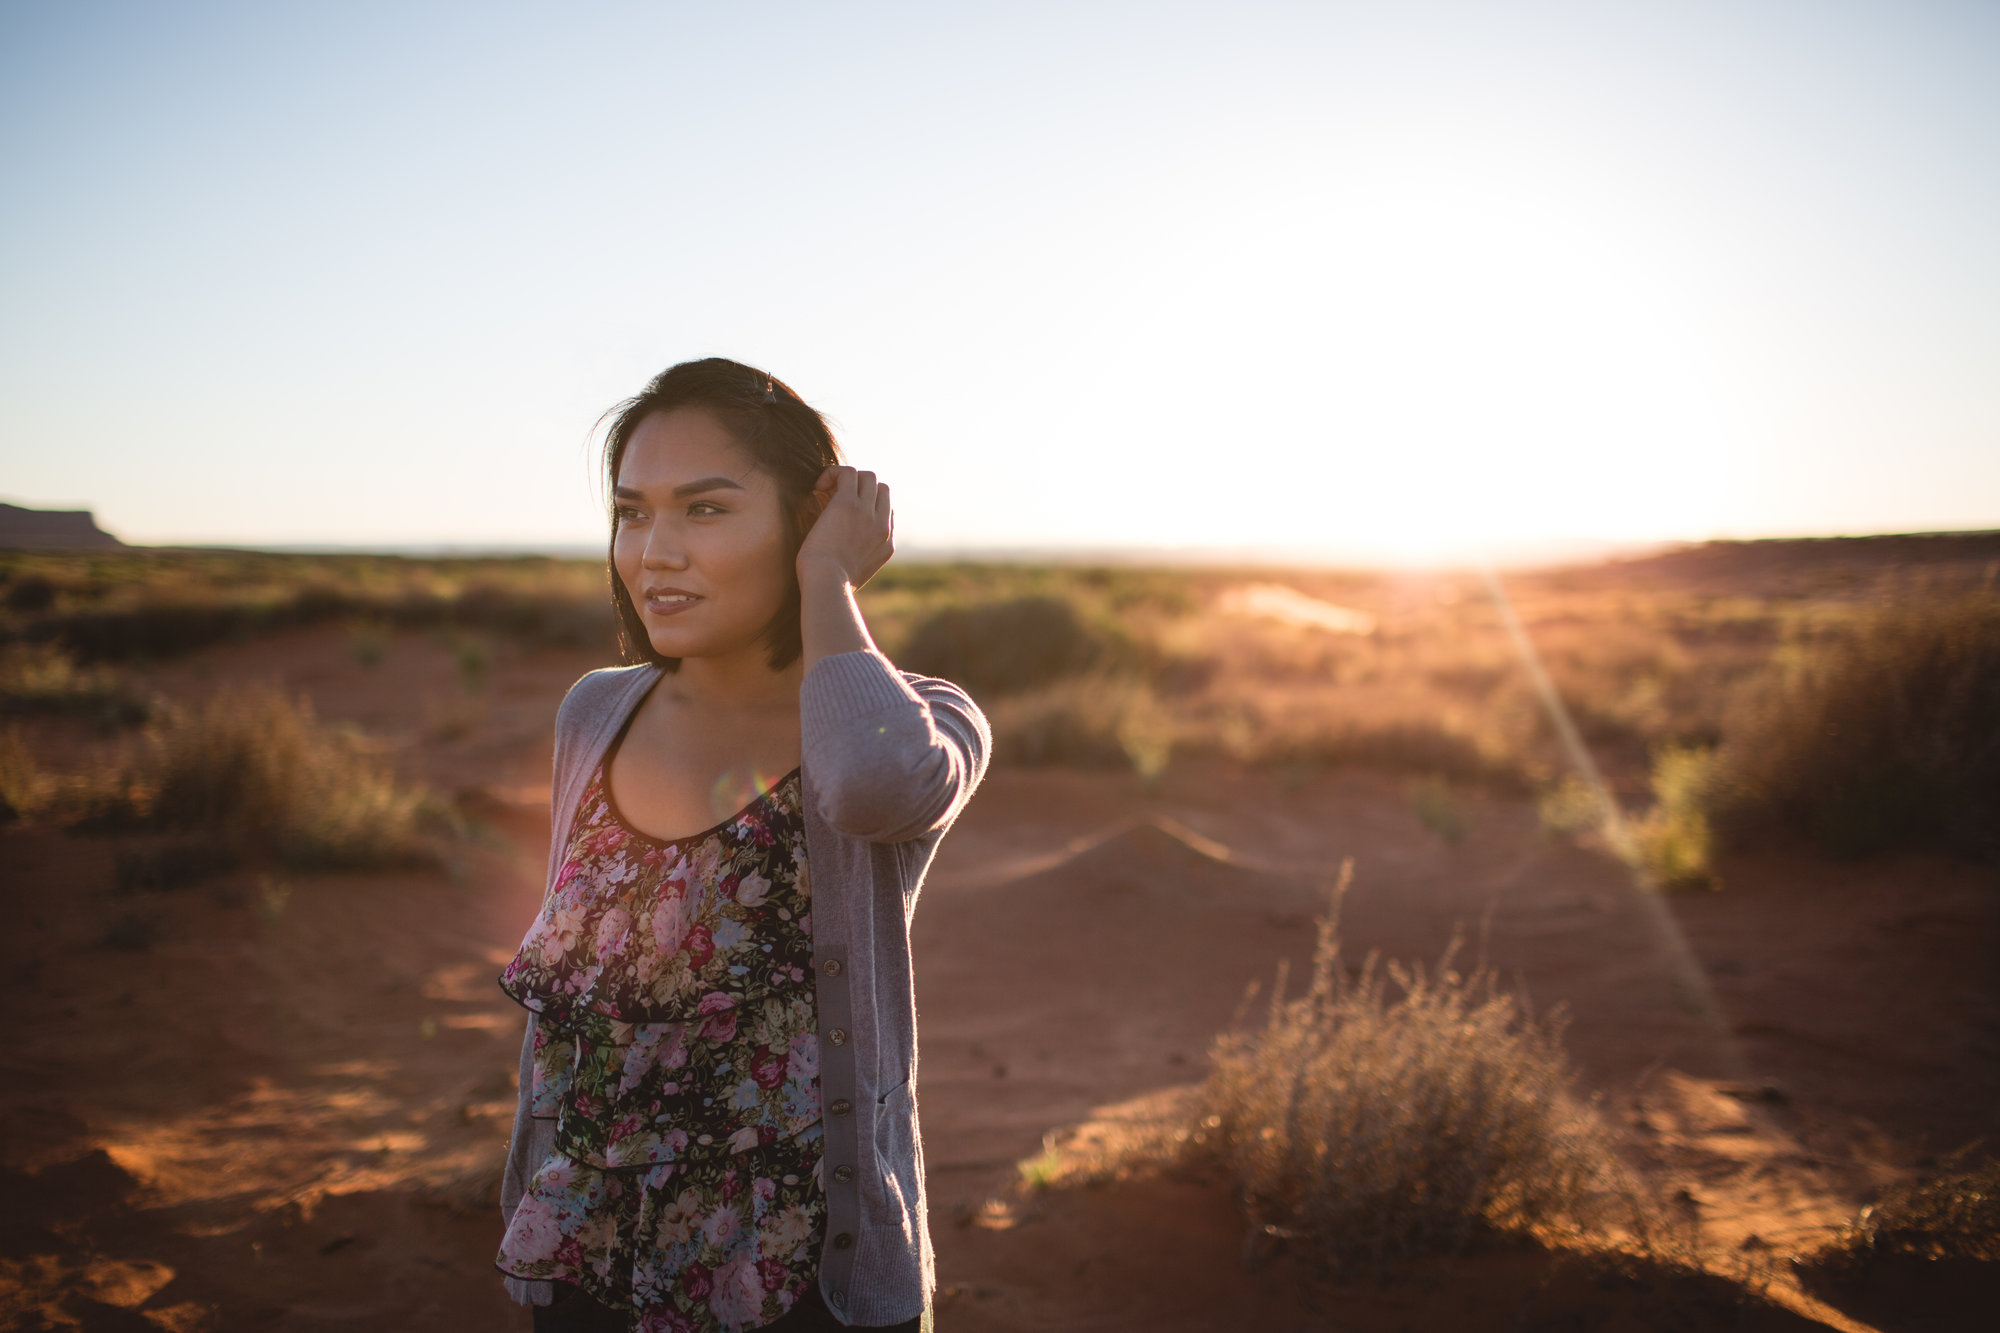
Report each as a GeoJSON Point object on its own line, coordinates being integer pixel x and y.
{"type": "Point", "coordinates": [1506, 367]}
{"type": "Point", "coordinates": [1431, 357]}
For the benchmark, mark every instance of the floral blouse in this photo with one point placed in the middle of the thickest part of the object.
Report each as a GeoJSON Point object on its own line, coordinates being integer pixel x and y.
{"type": "Point", "coordinates": [676, 1050]}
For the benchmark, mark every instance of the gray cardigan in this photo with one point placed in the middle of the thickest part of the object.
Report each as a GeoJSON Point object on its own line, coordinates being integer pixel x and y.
{"type": "Point", "coordinates": [888, 760]}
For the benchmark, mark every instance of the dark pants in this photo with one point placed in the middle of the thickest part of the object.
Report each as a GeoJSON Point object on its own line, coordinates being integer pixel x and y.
{"type": "Point", "coordinates": [577, 1311]}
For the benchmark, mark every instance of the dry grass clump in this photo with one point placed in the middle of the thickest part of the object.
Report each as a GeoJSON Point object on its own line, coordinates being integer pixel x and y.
{"type": "Point", "coordinates": [250, 773]}
{"type": "Point", "coordinates": [106, 795]}
{"type": "Point", "coordinates": [1953, 1213]}
{"type": "Point", "coordinates": [1004, 647]}
{"type": "Point", "coordinates": [1673, 844]}
{"type": "Point", "coordinates": [1888, 740]}
{"type": "Point", "coordinates": [21, 778]}
{"type": "Point", "coordinates": [259, 770]}
{"type": "Point", "coordinates": [40, 678]}
{"type": "Point", "coordinates": [1093, 721]}
{"type": "Point", "coordinates": [1386, 1126]}
{"type": "Point", "coordinates": [1923, 1255]}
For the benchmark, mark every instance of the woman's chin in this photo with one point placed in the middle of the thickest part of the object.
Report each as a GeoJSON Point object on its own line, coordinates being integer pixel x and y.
{"type": "Point", "coordinates": [675, 645]}
{"type": "Point", "coordinates": [687, 645]}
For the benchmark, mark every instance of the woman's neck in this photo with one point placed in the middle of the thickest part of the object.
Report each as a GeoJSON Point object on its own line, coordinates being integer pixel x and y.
{"type": "Point", "coordinates": [738, 682]}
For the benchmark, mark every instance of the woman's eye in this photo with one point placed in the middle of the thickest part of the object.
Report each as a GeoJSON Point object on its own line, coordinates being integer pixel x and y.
{"type": "Point", "coordinates": [705, 507]}
{"type": "Point", "coordinates": [625, 513]}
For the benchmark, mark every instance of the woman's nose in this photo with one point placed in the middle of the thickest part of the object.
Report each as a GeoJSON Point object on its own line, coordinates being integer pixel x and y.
{"type": "Point", "coordinates": [663, 549]}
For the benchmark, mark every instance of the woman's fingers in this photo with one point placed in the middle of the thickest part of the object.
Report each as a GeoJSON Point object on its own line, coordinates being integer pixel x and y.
{"type": "Point", "coordinates": [856, 524]}
{"type": "Point", "coordinates": [865, 487]}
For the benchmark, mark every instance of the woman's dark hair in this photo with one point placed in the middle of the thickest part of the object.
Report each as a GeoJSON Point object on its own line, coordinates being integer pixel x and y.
{"type": "Point", "coordinates": [782, 436]}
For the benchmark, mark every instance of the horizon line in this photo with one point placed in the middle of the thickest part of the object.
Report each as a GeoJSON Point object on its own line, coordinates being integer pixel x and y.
{"type": "Point", "coordinates": [1517, 554]}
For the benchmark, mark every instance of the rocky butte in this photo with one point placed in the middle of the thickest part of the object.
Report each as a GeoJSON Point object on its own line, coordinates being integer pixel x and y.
{"type": "Point", "coordinates": [51, 529]}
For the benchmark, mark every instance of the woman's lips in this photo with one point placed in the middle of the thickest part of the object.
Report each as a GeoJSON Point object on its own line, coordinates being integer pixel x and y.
{"type": "Point", "coordinates": [670, 606]}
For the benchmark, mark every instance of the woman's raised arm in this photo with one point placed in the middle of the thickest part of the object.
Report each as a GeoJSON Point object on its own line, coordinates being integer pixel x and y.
{"type": "Point", "coordinates": [891, 760]}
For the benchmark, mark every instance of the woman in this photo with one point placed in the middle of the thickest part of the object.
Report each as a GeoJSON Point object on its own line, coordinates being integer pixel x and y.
{"type": "Point", "coordinates": [717, 1127]}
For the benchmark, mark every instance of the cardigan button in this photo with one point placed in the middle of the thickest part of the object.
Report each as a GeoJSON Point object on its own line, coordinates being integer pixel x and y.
{"type": "Point", "coordinates": [843, 1241]}
{"type": "Point", "coordinates": [838, 1036]}
{"type": "Point", "coordinates": [831, 967]}
{"type": "Point", "coordinates": [841, 1106]}
{"type": "Point", "coordinates": [843, 1174]}
{"type": "Point", "coordinates": [839, 1296]}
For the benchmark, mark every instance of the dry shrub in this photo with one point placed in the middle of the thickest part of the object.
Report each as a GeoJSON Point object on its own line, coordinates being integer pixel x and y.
{"type": "Point", "coordinates": [258, 769]}
{"type": "Point", "coordinates": [1439, 808]}
{"type": "Point", "coordinates": [1387, 1127]}
{"type": "Point", "coordinates": [1923, 1255]}
{"type": "Point", "coordinates": [22, 784]}
{"type": "Point", "coordinates": [1093, 721]}
{"type": "Point", "coordinates": [1572, 807]}
{"type": "Point", "coordinates": [105, 794]}
{"type": "Point", "coordinates": [1953, 1213]}
{"type": "Point", "coordinates": [1889, 740]}
{"type": "Point", "coordinates": [40, 678]}
{"type": "Point", "coordinates": [1673, 844]}
{"type": "Point", "coordinates": [1330, 727]}
{"type": "Point", "coordinates": [999, 648]}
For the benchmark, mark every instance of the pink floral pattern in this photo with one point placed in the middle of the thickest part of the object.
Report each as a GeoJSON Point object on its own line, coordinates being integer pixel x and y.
{"type": "Point", "coordinates": [676, 1050]}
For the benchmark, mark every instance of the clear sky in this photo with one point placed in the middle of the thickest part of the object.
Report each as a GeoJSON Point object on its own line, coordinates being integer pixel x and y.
{"type": "Point", "coordinates": [1395, 280]}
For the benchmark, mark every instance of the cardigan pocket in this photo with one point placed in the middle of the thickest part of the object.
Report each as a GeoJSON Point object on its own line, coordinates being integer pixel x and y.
{"type": "Point", "coordinates": [895, 1204]}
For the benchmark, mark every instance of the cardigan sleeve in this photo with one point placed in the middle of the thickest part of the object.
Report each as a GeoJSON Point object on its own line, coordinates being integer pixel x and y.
{"type": "Point", "coordinates": [531, 1139]}
{"type": "Point", "coordinates": [893, 757]}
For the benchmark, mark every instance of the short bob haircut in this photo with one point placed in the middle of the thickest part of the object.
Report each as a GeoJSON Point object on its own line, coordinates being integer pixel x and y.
{"type": "Point", "coordinates": [788, 440]}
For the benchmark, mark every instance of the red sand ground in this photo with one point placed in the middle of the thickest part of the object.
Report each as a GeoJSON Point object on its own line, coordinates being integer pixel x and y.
{"type": "Point", "coordinates": [286, 1113]}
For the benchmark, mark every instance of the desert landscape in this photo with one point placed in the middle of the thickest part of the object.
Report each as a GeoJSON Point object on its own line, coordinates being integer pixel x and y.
{"type": "Point", "coordinates": [274, 823]}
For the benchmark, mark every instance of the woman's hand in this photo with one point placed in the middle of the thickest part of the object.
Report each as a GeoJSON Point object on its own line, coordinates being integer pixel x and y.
{"type": "Point", "coordinates": [853, 535]}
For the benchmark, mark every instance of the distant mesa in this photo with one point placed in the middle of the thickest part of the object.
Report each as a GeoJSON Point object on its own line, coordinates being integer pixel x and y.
{"type": "Point", "coordinates": [51, 530]}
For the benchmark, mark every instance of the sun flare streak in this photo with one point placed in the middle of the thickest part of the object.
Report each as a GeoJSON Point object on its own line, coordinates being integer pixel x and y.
{"type": "Point", "coordinates": [1687, 970]}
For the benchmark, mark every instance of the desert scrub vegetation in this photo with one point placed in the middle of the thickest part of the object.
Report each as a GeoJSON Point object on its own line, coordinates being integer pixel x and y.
{"type": "Point", "coordinates": [248, 773]}
{"type": "Point", "coordinates": [1886, 739]}
{"type": "Point", "coordinates": [1922, 1255]}
{"type": "Point", "coordinates": [258, 770]}
{"type": "Point", "coordinates": [1005, 647]}
{"type": "Point", "coordinates": [1952, 1212]}
{"type": "Point", "coordinates": [1140, 667]}
{"type": "Point", "coordinates": [143, 605]}
{"type": "Point", "coordinates": [42, 679]}
{"type": "Point", "coordinates": [1673, 844]}
{"type": "Point", "coordinates": [1404, 1113]}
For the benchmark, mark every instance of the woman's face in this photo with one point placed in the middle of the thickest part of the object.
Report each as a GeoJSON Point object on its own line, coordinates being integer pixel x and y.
{"type": "Point", "coordinates": [700, 542]}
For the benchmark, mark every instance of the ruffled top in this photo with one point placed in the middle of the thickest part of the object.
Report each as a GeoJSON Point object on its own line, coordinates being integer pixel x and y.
{"type": "Point", "coordinates": [677, 1052]}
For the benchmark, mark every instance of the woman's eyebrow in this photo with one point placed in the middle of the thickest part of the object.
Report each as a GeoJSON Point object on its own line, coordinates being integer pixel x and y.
{"type": "Point", "coordinates": [685, 489]}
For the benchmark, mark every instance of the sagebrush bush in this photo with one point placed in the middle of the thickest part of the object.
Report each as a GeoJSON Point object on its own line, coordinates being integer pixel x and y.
{"type": "Point", "coordinates": [103, 794]}
{"type": "Point", "coordinates": [1950, 1214]}
{"type": "Point", "coordinates": [1888, 740]}
{"type": "Point", "coordinates": [1572, 807]}
{"type": "Point", "coordinates": [1093, 721]}
{"type": "Point", "coordinates": [1439, 809]}
{"type": "Point", "coordinates": [257, 768]}
{"type": "Point", "coordinates": [1000, 648]}
{"type": "Point", "coordinates": [1388, 1126]}
{"type": "Point", "coordinates": [1674, 843]}
{"type": "Point", "coordinates": [21, 783]}
{"type": "Point", "coordinates": [41, 678]}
